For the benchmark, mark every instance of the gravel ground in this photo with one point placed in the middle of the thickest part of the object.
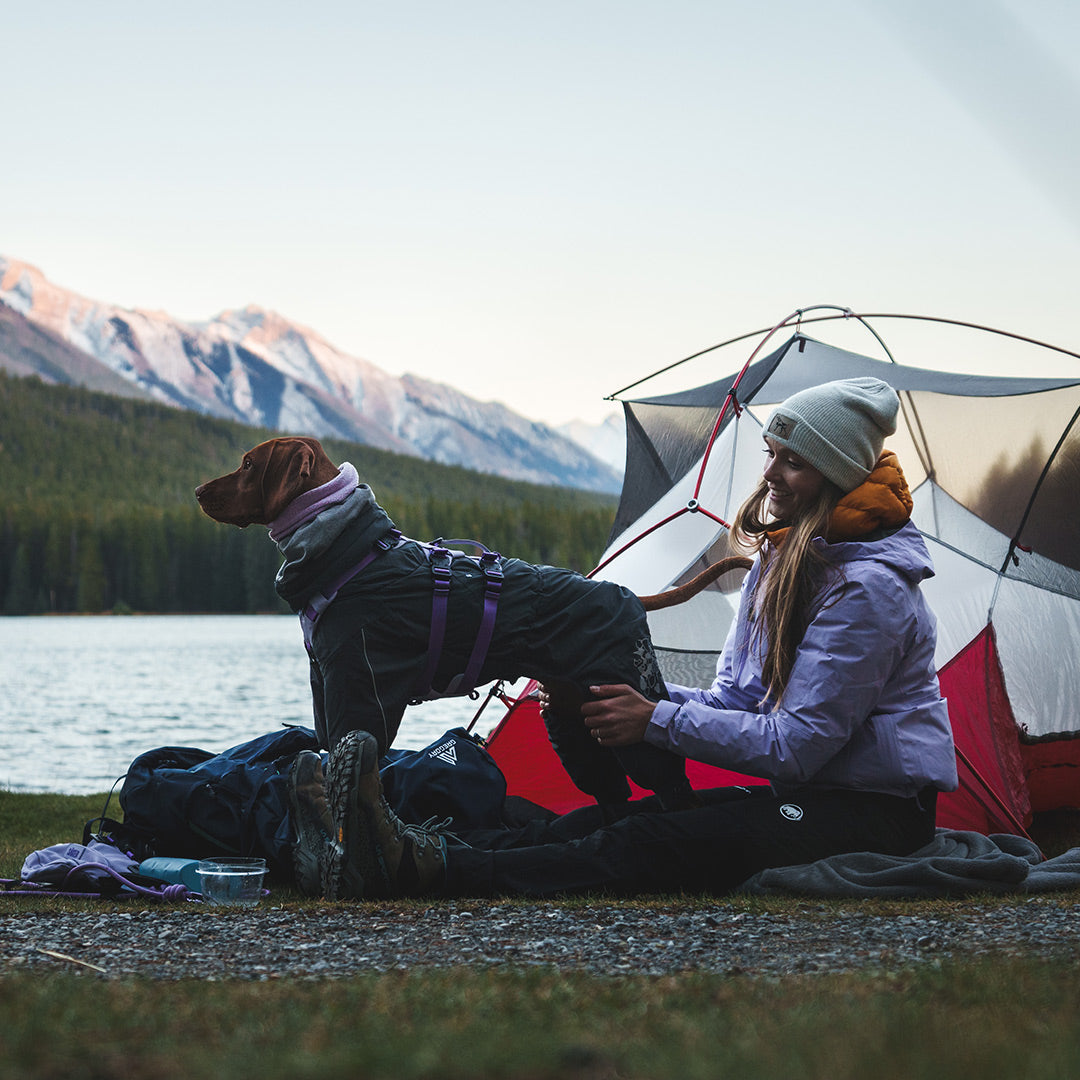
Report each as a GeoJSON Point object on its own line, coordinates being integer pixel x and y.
{"type": "Point", "coordinates": [273, 942]}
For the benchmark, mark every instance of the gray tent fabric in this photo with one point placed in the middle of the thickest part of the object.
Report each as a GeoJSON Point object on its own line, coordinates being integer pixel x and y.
{"type": "Point", "coordinates": [953, 864]}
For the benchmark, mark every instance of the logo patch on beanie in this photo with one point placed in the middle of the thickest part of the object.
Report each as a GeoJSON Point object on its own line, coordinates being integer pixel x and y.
{"type": "Point", "coordinates": [782, 426]}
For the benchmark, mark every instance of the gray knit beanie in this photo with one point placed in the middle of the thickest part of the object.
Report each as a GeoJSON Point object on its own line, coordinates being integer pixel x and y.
{"type": "Point", "coordinates": [838, 427]}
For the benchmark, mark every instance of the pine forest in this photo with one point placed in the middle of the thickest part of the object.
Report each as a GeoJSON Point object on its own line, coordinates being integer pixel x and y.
{"type": "Point", "coordinates": [97, 508]}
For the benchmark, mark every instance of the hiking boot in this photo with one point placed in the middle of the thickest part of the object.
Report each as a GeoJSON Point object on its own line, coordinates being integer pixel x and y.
{"type": "Point", "coordinates": [353, 757]}
{"type": "Point", "coordinates": [312, 823]}
{"type": "Point", "coordinates": [382, 857]}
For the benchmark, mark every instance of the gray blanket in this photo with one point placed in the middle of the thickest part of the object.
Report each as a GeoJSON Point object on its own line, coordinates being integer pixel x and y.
{"type": "Point", "coordinates": [952, 864]}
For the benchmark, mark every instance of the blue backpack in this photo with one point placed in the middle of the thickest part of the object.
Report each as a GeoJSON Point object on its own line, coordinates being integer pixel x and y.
{"type": "Point", "coordinates": [190, 803]}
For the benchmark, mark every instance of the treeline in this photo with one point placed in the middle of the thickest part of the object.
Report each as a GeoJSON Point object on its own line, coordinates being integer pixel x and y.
{"type": "Point", "coordinates": [97, 511]}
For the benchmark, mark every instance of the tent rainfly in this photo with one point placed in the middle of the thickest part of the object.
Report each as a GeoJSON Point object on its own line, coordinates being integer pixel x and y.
{"type": "Point", "coordinates": [994, 469]}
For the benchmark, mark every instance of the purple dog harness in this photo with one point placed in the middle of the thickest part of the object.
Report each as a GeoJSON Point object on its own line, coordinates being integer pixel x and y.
{"type": "Point", "coordinates": [441, 559]}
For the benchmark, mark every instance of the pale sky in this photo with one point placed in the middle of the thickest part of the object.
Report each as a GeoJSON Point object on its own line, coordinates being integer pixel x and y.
{"type": "Point", "coordinates": [540, 202]}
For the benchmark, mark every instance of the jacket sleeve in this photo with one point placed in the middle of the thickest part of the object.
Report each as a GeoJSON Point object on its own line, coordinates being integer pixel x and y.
{"type": "Point", "coordinates": [854, 643]}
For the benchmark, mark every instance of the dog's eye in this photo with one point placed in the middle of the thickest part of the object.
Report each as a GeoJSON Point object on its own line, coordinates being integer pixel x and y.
{"type": "Point", "coordinates": [247, 463]}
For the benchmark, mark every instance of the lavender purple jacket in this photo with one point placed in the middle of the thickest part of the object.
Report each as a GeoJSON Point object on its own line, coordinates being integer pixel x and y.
{"type": "Point", "coordinates": [862, 708]}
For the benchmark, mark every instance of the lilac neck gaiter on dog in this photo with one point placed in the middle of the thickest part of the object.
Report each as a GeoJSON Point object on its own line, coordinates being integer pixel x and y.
{"type": "Point", "coordinates": [309, 505]}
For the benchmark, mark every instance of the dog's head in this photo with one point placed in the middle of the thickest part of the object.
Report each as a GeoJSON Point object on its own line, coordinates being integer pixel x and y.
{"type": "Point", "coordinates": [270, 476]}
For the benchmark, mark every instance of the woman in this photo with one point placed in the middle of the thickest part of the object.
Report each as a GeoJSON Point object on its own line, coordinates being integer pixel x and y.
{"type": "Point", "coordinates": [826, 688]}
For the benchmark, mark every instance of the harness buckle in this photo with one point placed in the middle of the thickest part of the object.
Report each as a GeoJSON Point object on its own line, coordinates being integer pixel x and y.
{"type": "Point", "coordinates": [441, 562]}
{"type": "Point", "coordinates": [390, 540]}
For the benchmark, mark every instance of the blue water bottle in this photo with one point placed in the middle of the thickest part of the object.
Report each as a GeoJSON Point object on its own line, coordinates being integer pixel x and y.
{"type": "Point", "coordinates": [173, 870]}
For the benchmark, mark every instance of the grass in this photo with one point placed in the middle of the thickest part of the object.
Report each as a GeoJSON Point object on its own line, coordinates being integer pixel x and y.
{"type": "Point", "coordinates": [991, 1019]}
{"type": "Point", "coordinates": [1010, 1017]}
{"type": "Point", "coordinates": [30, 822]}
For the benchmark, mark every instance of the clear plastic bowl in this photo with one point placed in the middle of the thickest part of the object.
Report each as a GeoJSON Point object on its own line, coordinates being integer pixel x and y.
{"type": "Point", "coordinates": [232, 882]}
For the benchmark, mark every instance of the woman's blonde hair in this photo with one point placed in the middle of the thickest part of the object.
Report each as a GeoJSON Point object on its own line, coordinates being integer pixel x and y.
{"type": "Point", "coordinates": [790, 578]}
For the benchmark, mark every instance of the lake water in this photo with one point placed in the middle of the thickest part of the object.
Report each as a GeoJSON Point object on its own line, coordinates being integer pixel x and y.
{"type": "Point", "coordinates": [82, 696]}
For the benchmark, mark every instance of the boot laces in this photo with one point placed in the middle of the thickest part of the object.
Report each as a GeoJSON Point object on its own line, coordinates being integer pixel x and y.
{"type": "Point", "coordinates": [433, 832]}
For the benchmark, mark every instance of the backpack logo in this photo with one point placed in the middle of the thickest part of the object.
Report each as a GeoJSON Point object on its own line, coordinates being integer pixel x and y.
{"type": "Point", "coordinates": [791, 811]}
{"type": "Point", "coordinates": [782, 427]}
{"type": "Point", "coordinates": [447, 752]}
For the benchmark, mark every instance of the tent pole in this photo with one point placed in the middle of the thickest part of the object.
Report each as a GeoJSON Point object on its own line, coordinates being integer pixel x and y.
{"type": "Point", "coordinates": [847, 314]}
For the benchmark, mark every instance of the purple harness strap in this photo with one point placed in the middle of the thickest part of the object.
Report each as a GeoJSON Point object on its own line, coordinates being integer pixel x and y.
{"type": "Point", "coordinates": [441, 560]}
{"type": "Point", "coordinates": [318, 603]}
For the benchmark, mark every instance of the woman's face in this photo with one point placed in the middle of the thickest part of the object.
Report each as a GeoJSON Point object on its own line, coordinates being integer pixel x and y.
{"type": "Point", "coordinates": [794, 484]}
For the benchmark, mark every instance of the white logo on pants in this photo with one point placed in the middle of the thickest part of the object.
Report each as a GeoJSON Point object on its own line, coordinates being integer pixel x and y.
{"type": "Point", "coordinates": [791, 811]}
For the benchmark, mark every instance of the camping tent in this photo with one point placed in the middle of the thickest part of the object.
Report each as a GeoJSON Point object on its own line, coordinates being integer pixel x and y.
{"type": "Point", "coordinates": [994, 468]}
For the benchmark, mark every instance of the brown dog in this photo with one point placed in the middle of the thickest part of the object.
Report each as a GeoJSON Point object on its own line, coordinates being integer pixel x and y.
{"type": "Point", "coordinates": [277, 471]}
{"type": "Point", "coordinates": [374, 647]}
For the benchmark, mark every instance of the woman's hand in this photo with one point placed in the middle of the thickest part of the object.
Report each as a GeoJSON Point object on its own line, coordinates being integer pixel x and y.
{"type": "Point", "coordinates": [617, 715]}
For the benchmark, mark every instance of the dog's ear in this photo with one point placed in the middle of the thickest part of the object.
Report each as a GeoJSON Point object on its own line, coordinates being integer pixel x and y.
{"type": "Point", "coordinates": [287, 474]}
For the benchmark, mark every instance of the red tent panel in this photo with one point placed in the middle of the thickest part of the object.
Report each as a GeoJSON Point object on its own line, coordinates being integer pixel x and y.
{"type": "Point", "coordinates": [993, 794]}
{"type": "Point", "coordinates": [1053, 773]}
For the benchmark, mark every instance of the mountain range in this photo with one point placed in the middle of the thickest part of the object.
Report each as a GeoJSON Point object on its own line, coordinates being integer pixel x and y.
{"type": "Point", "coordinates": [258, 367]}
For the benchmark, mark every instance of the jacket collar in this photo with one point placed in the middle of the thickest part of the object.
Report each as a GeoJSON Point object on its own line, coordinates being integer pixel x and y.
{"type": "Point", "coordinates": [881, 501]}
{"type": "Point", "coordinates": [308, 506]}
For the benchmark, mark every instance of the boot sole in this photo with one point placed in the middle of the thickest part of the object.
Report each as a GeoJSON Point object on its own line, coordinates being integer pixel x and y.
{"type": "Point", "coordinates": [352, 857]}
{"type": "Point", "coordinates": [313, 845]}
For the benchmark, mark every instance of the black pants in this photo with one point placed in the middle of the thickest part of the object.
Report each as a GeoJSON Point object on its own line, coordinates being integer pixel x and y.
{"type": "Point", "coordinates": [709, 849]}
